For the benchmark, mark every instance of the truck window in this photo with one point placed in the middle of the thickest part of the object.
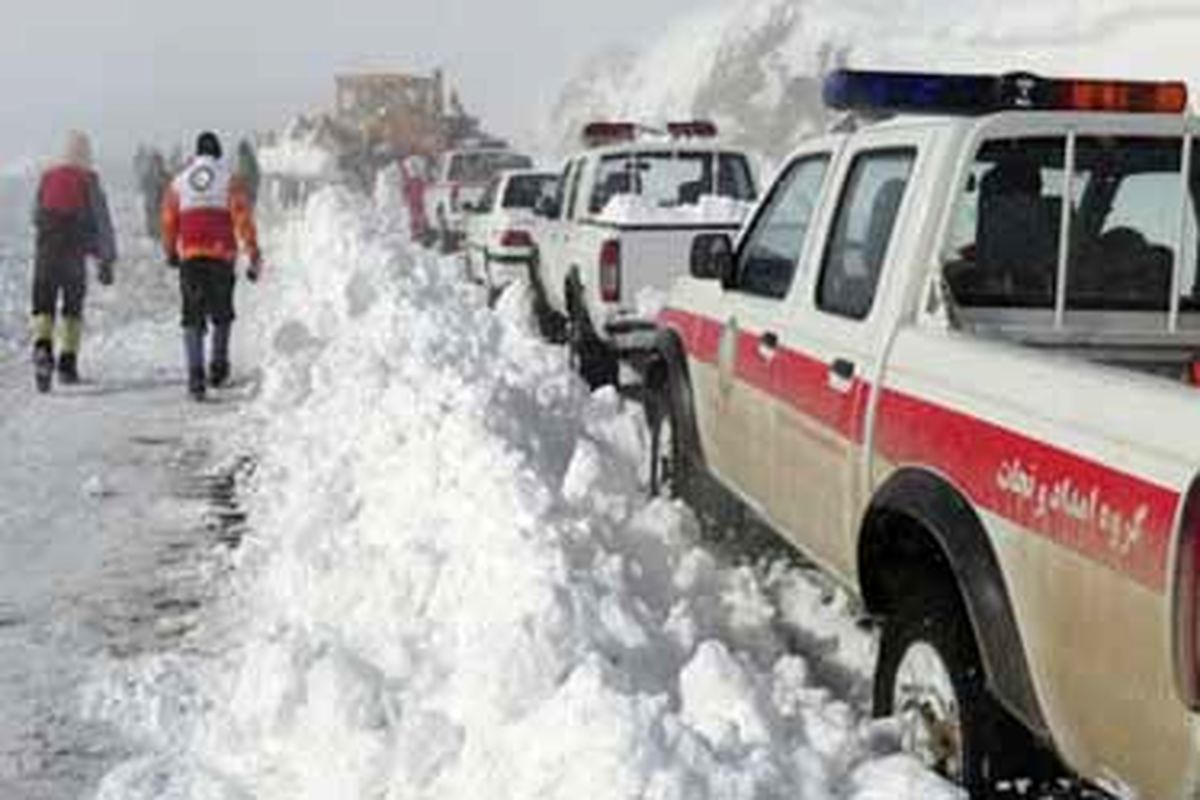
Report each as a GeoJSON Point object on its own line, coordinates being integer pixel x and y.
{"type": "Point", "coordinates": [1125, 228]}
{"type": "Point", "coordinates": [481, 166]}
{"type": "Point", "coordinates": [862, 231]}
{"type": "Point", "coordinates": [668, 180]}
{"type": "Point", "coordinates": [734, 179]}
{"type": "Point", "coordinates": [488, 200]}
{"type": "Point", "coordinates": [772, 249]}
{"type": "Point", "coordinates": [1005, 244]}
{"type": "Point", "coordinates": [524, 191]}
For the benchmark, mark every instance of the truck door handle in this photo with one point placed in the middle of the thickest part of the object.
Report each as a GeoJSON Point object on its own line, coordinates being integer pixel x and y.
{"type": "Point", "coordinates": [841, 375]}
{"type": "Point", "coordinates": [768, 344]}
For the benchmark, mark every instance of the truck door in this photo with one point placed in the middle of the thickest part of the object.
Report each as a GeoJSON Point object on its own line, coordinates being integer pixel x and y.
{"type": "Point", "coordinates": [740, 402]}
{"type": "Point", "coordinates": [828, 342]}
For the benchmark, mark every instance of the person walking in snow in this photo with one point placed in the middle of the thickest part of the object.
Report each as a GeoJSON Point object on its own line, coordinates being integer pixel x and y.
{"type": "Point", "coordinates": [72, 223]}
{"type": "Point", "coordinates": [206, 216]}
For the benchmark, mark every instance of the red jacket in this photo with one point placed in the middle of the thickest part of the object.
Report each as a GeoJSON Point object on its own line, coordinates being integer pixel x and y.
{"type": "Point", "coordinates": [71, 215]}
{"type": "Point", "coordinates": [207, 213]}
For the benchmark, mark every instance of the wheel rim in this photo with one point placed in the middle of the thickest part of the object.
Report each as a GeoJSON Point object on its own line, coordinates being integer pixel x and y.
{"type": "Point", "coordinates": [927, 707]}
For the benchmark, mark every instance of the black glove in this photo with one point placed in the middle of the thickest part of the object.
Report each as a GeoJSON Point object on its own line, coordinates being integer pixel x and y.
{"type": "Point", "coordinates": [173, 259]}
{"type": "Point", "coordinates": [104, 273]}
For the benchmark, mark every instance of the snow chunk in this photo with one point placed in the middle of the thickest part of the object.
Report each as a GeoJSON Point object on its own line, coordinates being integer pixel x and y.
{"type": "Point", "coordinates": [719, 699]}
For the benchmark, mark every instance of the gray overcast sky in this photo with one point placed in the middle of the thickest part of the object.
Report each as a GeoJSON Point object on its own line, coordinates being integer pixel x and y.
{"type": "Point", "coordinates": [123, 69]}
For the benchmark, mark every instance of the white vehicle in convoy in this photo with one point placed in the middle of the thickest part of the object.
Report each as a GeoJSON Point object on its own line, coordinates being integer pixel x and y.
{"type": "Point", "coordinates": [621, 227]}
{"type": "Point", "coordinates": [500, 227]}
{"type": "Point", "coordinates": [953, 359]}
{"type": "Point", "coordinates": [460, 179]}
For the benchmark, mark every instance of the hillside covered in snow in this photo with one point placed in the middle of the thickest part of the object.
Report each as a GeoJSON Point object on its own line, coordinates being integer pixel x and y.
{"type": "Point", "coordinates": [754, 66]}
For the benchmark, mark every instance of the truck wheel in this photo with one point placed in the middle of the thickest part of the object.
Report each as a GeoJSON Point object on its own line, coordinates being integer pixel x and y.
{"type": "Point", "coordinates": [551, 325]}
{"type": "Point", "coordinates": [591, 358]}
{"type": "Point", "coordinates": [444, 244]}
{"type": "Point", "coordinates": [930, 678]}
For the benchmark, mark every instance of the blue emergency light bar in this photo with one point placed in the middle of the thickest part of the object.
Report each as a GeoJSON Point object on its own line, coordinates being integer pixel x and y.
{"type": "Point", "coordinates": [934, 93]}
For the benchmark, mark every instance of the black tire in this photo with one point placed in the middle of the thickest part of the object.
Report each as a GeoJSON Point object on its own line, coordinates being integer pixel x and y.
{"type": "Point", "coordinates": [670, 469]}
{"type": "Point", "coordinates": [594, 360]}
{"type": "Point", "coordinates": [551, 325]}
{"type": "Point", "coordinates": [988, 747]}
{"type": "Point", "coordinates": [445, 245]}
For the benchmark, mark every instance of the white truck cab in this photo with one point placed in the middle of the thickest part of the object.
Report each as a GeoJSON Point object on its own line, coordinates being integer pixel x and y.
{"type": "Point", "coordinates": [951, 358]}
{"type": "Point", "coordinates": [628, 207]}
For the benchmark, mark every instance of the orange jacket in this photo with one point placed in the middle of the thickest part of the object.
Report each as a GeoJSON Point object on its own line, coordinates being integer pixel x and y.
{"type": "Point", "coordinates": [206, 214]}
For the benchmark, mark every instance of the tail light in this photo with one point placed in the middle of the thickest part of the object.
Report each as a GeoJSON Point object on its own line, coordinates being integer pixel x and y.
{"type": "Point", "coordinates": [1194, 372]}
{"type": "Point", "coordinates": [516, 238]}
{"type": "Point", "coordinates": [610, 271]}
{"type": "Point", "coordinates": [1186, 601]}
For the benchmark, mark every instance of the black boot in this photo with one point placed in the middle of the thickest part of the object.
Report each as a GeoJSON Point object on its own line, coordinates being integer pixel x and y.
{"type": "Point", "coordinates": [218, 373]}
{"type": "Point", "coordinates": [196, 384]}
{"type": "Point", "coordinates": [68, 370]}
{"type": "Point", "coordinates": [43, 364]}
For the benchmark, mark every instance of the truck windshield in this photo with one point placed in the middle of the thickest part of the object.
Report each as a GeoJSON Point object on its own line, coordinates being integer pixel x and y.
{"type": "Point", "coordinates": [524, 191]}
{"type": "Point", "coordinates": [670, 179]}
{"type": "Point", "coordinates": [1124, 243]}
{"type": "Point", "coordinates": [480, 167]}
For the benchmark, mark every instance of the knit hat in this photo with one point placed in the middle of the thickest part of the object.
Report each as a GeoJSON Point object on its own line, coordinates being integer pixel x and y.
{"type": "Point", "coordinates": [207, 144]}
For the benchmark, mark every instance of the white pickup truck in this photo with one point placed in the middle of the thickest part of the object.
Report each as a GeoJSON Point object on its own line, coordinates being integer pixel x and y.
{"type": "Point", "coordinates": [952, 359]}
{"type": "Point", "coordinates": [460, 180]}
{"type": "Point", "coordinates": [627, 209]}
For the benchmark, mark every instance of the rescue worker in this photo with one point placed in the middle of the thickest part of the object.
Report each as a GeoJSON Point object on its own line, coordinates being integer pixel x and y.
{"type": "Point", "coordinates": [206, 216]}
{"type": "Point", "coordinates": [249, 171]}
{"type": "Point", "coordinates": [72, 223]}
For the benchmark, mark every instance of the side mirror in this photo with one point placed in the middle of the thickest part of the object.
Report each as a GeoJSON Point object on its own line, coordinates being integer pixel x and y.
{"type": "Point", "coordinates": [712, 258]}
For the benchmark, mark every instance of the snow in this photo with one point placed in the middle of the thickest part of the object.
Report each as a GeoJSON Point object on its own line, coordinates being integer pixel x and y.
{"type": "Point", "coordinates": [297, 159]}
{"type": "Point", "coordinates": [753, 65]}
{"type": "Point", "coordinates": [101, 554]}
{"type": "Point", "coordinates": [455, 587]}
{"type": "Point", "coordinates": [628, 209]}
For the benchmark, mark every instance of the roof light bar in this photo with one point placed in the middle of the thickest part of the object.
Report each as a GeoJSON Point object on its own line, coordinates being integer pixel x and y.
{"type": "Point", "coordinates": [919, 92]}
{"type": "Point", "coordinates": [693, 129]}
{"type": "Point", "coordinates": [596, 134]}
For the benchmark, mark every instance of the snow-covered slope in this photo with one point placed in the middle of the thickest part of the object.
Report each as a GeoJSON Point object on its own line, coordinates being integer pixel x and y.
{"type": "Point", "coordinates": [753, 65]}
{"type": "Point", "coordinates": [456, 589]}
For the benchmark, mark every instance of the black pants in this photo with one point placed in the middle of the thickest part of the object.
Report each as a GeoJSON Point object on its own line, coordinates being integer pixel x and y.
{"type": "Point", "coordinates": [207, 289]}
{"type": "Point", "coordinates": [64, 277]}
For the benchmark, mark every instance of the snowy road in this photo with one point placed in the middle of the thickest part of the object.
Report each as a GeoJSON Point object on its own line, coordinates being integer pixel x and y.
{"type": "Point", "coordinates": [106, 541]}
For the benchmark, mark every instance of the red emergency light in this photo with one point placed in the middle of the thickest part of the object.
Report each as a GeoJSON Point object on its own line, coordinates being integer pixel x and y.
{"type": "Point", "coordinates": [596, 134]}
{"type": "Point", "coordinates": [693, 129]}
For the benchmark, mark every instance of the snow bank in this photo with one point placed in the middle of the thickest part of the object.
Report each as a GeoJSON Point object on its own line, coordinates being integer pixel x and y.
{"type": "Point", "coordinates": [456, 589]}
{"type": "Point", "coordinates": [623, 209]}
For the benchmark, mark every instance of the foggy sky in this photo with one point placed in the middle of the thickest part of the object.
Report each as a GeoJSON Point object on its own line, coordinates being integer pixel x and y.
{"type": "Point", "coordinates": [126, 70]}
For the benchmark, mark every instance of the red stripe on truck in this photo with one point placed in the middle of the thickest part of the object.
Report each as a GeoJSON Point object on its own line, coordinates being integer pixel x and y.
{"type": "Point", "coordinates": [1106, 515]}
